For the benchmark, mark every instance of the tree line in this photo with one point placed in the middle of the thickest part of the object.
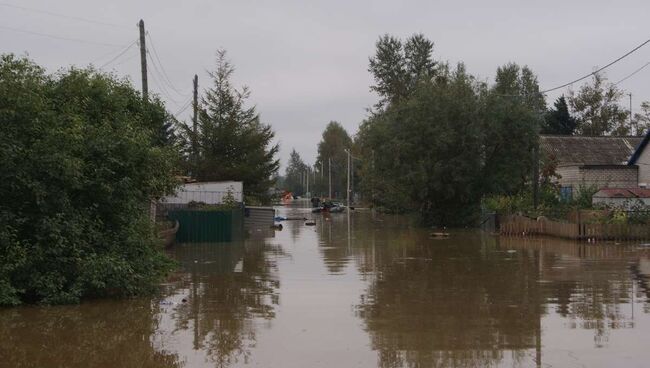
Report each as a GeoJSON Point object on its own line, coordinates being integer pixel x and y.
{"type": "Point", "coordinates": [439, 140]}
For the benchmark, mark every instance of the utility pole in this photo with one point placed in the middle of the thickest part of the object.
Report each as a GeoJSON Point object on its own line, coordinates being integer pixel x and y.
{"type": "Point", "coordinates": [307, 175]}
{"type": "Point", "coordinates": [631, 110]}
{"type": "Point", "coordinates": [143, 62]}
{"type": "Point", "coordinates": [348, 191]}
{"type": "Point", "coordinates": [329, 161]}
{"type": "Point", "coordinates": [195, 121]}
{"type": "Point", "coordinates": [352, 176]}
{"type": "Point", "coordinates": [535, 175]}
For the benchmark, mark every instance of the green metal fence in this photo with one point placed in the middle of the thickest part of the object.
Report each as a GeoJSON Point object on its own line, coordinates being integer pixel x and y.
{"type": "Point", "coordinates": [201, 226]}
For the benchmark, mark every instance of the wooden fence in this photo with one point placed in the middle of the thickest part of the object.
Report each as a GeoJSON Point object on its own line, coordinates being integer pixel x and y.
{"type": "Point", "coordinates": [525, 226]}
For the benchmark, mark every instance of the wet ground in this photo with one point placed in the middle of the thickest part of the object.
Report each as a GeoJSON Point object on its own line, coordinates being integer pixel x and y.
{"type": "Point", "coordinates": [360, 291]}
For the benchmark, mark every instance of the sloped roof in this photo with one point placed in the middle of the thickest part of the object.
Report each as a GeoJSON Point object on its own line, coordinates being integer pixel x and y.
{"type": "Point", "coordinates": [642, 145]}
{"type": "Point", "coordinates": [623, 193]}
{"type": "Point", "coordinates": [582, 150]}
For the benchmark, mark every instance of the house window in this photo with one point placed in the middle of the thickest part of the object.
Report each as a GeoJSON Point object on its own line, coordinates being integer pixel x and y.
{"type": "Point", "coordinates": [566, 193]}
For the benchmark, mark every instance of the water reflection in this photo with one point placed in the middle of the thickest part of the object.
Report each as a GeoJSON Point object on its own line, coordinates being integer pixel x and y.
{"type": "Point", "coordinates": [449, 302]}
{"type": "Point", "coordinates": [360, 289]}
{"type": "Point", "coordinates": [222, 288]}
{"type": "Point", "coordinates": [92, 334]}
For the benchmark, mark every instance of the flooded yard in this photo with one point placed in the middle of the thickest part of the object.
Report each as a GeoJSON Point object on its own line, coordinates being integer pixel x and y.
{"type": "Point", "coordinates": [360, 290]}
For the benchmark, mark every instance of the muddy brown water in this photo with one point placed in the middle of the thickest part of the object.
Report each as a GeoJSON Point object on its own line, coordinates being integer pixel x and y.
{"type": "Point", "coordinates": [360, 291]}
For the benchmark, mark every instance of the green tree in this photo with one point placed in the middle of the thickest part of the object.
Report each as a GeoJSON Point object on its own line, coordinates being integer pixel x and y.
{"type": "Point", "coordinates": [231, 143]}
{"type": "Point", "coordinates": [398, 67]}
{"type": "Point", "coordinates": [641, 121]}
{"type": "Point", "coordinates": [78, 169]}
{"type": "Point", "coordinates": [331, 150]}
{"type": "Point", "coordinates": [512, 119]}
{"type": "Point", "coordinates": [449, 141]}
{"type": "Point", "coordinates": [558, 120]}
{"type": "Point", "coordinates": [424, 155]}
{"type": "Point", "coordinates": [596, 108]}
{"type": "Point", "coordinates": [293, 177]}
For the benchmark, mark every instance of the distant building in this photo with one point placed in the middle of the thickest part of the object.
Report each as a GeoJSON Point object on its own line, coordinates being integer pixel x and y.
{"type": "Point", "coordinates": [641, 158]}
{"type": "Point", "coordinates": [601, 162]}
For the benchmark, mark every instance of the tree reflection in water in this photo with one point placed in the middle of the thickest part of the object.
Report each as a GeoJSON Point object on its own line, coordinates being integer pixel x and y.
{"type": "Point", "coordinates": [226, 286]}
{"type": "Point", "coordinates": [87, 335]}
{"type": "Point", "coordinates": [474, 300]}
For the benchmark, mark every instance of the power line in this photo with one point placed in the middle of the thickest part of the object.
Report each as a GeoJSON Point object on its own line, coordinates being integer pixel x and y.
{"type": "Point", "coordinates": [127, 59]}
{"type": "Point", "coordinates": [634, 72]}
{"type": "Point", "coordinates": [97, 59]}
{"type": "Point", "coordinates": [585, 76]}
{"type": "Point", "coordinates": [598, 70]}
{"type": "Point", "coordinates": [62, 15]}
{"type": "Point", "coordinates": [186, 105]}
{"type": "Point", "coordinates": [60, 37]}
{"type": "Point", "coordinates": [164, 72]}
{"type": "Point", "coordinates": [162, 87]}
{"type": "Point", "coordinates": [118, 55]}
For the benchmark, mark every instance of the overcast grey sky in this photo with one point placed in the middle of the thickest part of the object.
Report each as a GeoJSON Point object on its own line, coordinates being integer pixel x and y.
{"type": "Point", "coordinates": [306, 61]}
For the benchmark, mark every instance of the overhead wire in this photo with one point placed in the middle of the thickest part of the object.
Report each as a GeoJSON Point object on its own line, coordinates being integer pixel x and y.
{"type": "Point", "coordinates": [81, 19]}
{"type": "Point", "coordinates": [633, 73]}
{"type": "Point", "coordinates": [60, 37]}
{"type": "Point", "coordinates": [599, 69]}
{"type": "Point", "coordinates": [186, 105]}
{"type": "Point", "coordinates": [162, 68]}
{"type": "Point", "coordinates": [118, 55]}
{"type": "Point", "coordinates": [112, 52]}
{"type": "Point", "coordinates": [161, 86]}
{"type": "Point", "coordinates": [585, 76]}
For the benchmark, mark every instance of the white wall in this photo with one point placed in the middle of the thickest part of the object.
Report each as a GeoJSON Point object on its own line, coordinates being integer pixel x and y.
{"type": "Point", "coordinates": [644, 166]}
{"type": "Point", "coordinates": [209, 192]}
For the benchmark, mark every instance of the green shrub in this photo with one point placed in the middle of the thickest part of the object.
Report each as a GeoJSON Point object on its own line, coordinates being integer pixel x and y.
{"type": "Point", "coordinates": [79, 164]}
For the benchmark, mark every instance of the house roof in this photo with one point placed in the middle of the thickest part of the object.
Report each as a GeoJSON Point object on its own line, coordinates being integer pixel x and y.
{"type": "Point", "coordinates": [640, 147]}
{"type": "Point", "coordinates": [585, 150]}
{"type": "Point", "coordinates": [623, 193]}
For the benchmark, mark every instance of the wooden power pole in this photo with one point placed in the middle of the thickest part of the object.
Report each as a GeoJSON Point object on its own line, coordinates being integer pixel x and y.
{"type": "Point", "coordinates": [195, 121]}
{"type": "Point", "coordinates": [329, 161]}
{"type": "Point", "coordinates": [143, 62]}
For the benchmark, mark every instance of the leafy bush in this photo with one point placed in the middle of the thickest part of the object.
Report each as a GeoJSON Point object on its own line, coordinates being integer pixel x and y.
{"type": "Point", "coordinates": [79, 164]}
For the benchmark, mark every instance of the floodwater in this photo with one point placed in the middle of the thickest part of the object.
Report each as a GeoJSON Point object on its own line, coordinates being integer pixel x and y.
{"type": "Point", "coordinates": [360, 290]}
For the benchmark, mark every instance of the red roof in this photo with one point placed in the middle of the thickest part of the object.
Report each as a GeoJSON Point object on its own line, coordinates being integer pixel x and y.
{"type": "Point", "coordinates": [623, 193]}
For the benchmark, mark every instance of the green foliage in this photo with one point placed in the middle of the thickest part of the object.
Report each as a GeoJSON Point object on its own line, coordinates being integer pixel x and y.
{"type": "Point", "coordinates": [294, 173]}
{"type": "Point", "coordinates": [559, 120]}
{"type": "Point", "coordinates": [449, 140]}
{"type": "Point", "coordinates": [641, 121]}
{"type": "Point", "coordinates": [596, 109]}
{"type": "Point", "coordinates": [398, 68]}
{"type": "Point", "coordinates": [78, 167]}
{"type": "Point", "coordinates": [230, 143]}
{"type": "Point", "coordinates": [331, 151]}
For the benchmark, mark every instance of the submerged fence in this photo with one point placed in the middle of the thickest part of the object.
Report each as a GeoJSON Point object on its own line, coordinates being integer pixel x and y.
{"type": "Point", "coordinates": [525, 226]}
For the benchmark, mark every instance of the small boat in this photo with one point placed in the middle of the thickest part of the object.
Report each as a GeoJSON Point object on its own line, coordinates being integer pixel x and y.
{"type": "Point", "coordinates": [310, 223]}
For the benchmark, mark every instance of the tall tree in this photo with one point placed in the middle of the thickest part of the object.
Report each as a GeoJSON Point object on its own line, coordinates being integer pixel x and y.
{"type": "Point", "coordinates": [558, 120]}
{"type": "Point", "coordinates": [331, 150]}
{"type": "Point", "coordinates": [293, 177]}
{"type": "Point", "coordinates": [231, 141]}
{"type": "Point", "coordinates": [596, 108]}
{"type": "Point", "coordinates": [398, 67]}
{"type": "Point", "coordinates": [641, 121]}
